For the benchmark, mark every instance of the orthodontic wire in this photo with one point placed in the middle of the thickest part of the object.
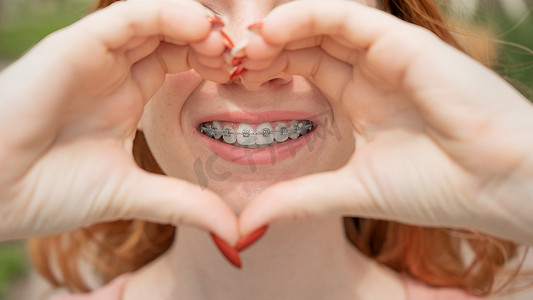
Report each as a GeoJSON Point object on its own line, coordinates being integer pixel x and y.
{"type": "Point", "coordinates": [265, 132]}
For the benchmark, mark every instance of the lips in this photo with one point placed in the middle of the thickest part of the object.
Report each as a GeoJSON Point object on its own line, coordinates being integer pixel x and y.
{"type": "Point", "coordinates": [234, 136]}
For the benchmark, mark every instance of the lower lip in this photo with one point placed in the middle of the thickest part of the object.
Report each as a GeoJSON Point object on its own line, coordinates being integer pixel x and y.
{"type": "Point", "coordinates": [256, 157]}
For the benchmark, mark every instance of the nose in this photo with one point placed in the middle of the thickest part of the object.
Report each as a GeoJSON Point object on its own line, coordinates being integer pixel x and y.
{"type": "Point", "coordinates": [240, 15]}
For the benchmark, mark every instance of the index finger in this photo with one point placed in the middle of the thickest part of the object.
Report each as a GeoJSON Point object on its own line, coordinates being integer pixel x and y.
{"type": "Point", "coordinates": [359, 25]}
{"type": "Point", "coordinates": [119, 23]}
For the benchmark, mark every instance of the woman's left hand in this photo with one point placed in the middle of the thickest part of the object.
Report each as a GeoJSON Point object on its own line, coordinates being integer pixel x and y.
{"type": "Point", "coordinates": [441, 140]}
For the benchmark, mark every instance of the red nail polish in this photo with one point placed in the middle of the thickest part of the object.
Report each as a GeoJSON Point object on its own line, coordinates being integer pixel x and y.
{"type": "Point", "coordinates": [234, 75]}
{"type": "Point", "coordinates": [227, 40]}
{"type": "Point", "coordinates": [236, 60]}
{"type": "Point", "coordinates": [230, 253]}
{"type": "Point", "coordinates": [237, 73]}
{"type": "Point", "coordinates": [216, 22]}
{"type": "Point", "coordinates": [251, 238]}
{"type": "Point", "coordinates": [242, 71]}
{"type": "Point", "coordinates": [255, 27]}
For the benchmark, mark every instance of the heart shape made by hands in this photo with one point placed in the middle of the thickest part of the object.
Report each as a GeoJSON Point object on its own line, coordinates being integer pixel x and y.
{"type": "Point", "coordinates": [233, 57]}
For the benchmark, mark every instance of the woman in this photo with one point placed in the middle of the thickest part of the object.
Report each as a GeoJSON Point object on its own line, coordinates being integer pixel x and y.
{"type": "Point", "coordinates": [349, 111]}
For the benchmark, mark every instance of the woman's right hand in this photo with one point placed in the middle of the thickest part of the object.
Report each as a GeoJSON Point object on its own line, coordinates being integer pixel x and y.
{"type": "Point", "coordinates": [68, 115]}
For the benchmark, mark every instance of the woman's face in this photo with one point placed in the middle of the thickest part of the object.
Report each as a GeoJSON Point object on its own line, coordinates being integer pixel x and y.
{"type": "Point", "coordinates": [240, 171]}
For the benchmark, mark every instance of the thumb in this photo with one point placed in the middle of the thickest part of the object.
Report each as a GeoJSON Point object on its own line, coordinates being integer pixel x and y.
{"type": "Point", "coordinates": [164, 199]}
{"type": "Point", "coordinates": [337, 192]}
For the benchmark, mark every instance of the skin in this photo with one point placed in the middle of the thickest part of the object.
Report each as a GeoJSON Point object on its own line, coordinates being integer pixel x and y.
{"type": "Point", "coordinates": [79, 152]}
{"type": "Point", "coordinates": [420, 110]}
{"type": "Point", "coordinates": [401, 118]}
{"type": "Point", "coordinates": [193, 269]}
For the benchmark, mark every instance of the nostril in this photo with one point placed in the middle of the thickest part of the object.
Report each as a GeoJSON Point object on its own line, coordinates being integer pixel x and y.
{"type": "Point", "coordinates": [280, 81]}
{"type": "Point", "coordinates": [277, 81]}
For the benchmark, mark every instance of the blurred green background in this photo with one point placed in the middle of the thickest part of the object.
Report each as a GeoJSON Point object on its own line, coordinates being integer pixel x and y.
{"type": "Point", "coordinates": [24, 22]}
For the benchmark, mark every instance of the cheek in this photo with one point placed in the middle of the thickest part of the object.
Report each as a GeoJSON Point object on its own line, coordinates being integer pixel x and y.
{"type": "Point", "coordinates": [161, 121]}
{"type": "Point", "coordinates": [162, 112]}
{"type": "Point", "coordinates": [340, 141]}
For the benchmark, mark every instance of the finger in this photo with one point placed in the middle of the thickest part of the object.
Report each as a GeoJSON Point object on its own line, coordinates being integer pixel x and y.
{"type": "Point", "coordinates": [357, 23]}
{"type": "Point", "coordinates": [121, 22]}
{"type": "Point", "coordinates": [351, 25]}
{"type": "Point", "coordinates": [259, 49]}
{"type": "Point", "coordinates": [355, 26]}
{"type": "Point", "coordinates": [259, 57]}
{"type": "Point", "coordinates": [330, 45]}
{"type": "Point", "coordinates": [211, 62]}
{"type": "Point", "coordinates": [168, 200]}
{"type": "Point", "coordinates": [136, 42]}
{"type": "Point", "coordinates": [305, 197]}
{"type": "Point", "coordinates": [218, 75]}
{"type": "Point", "coordinates": [262, 64]}
{"type": "Point", "coordinates": [149, 73]}
{"type": "Point", "coordinates": [212, 46]}
{"type": "Point", "coordinates": [142, 49]}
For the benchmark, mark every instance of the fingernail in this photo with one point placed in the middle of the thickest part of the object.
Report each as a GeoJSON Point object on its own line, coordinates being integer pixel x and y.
{"type": "Point", "coordinates": [251, 238]}
{"type": "Point", "coordinates": [238, 73]}
{"type": "Point", "coordinates": [228, 58]}
{"type": "Point", "coordinates": [231, 69]}
{"type": "Point", "coordinates": [255, 27]}
{"type": "Point", "coordinates": [229, 252]}
{"type": "Point", "coordinates": [238, 51]}
{"type": "Point", "coordinates": [216, 22]}
{"type": "Point", "coordinates": [242, 71]}
{"type": "Point", "coordinates": [236, 60]}
{"type": "Point", "coordinates": [227, 40]}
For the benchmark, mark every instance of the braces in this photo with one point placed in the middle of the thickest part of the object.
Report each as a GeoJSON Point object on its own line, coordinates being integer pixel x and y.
{"type": "Point", "coordinates": [303, 126]}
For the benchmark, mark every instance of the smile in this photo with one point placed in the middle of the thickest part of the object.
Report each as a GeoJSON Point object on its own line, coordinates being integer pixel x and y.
{"type": "Point", "coordinates": [264, 138]}
{"type": "Point", "coordinates": [266, 134]}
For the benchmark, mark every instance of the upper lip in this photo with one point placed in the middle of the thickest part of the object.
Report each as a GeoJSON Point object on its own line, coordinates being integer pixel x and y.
{"type": "Point", "coordinates": [257, 117]}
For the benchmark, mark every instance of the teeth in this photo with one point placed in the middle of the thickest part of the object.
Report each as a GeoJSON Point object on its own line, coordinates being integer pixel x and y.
{"type": "Point", "coordinates": [246, 136]}
{"type": "Point", "coordinates": [208, 132]}
{"type": "Point", "coordinates": [304, 131]}
{"type": "Point", "coordinates": [239, 145]}
{"type": "Point", "coordinates": [282, 132]}
{"type": "Point", "coordinates": [228, 135]}
{"type": "Point", "coordinates": [264, 135]}
{"type": "Point", "coordinates": [293, 133]}
{"type": "Point", "coordinates": [218, 128]}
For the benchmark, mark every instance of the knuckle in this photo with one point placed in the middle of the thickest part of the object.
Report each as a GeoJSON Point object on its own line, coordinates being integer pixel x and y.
{"type": "Point", "coordinates": [178, 218]}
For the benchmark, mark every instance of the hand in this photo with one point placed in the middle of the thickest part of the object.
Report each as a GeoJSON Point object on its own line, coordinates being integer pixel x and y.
{"type": "Point", "coordinates": [440, 139]}
{"type": "Point", "coordinates": [69, 113]}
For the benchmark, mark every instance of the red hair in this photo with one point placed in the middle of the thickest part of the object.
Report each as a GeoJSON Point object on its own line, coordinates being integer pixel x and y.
{"type": "Point", "coordinates": [431, 255]}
